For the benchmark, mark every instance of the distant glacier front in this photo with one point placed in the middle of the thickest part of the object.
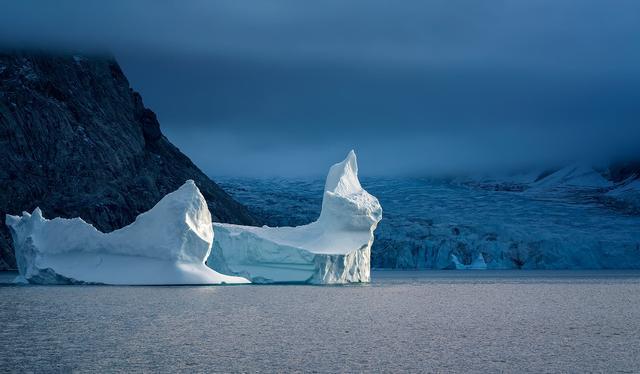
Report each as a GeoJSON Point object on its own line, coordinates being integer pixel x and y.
{"type": "Point", "coordinates": [573, 218]}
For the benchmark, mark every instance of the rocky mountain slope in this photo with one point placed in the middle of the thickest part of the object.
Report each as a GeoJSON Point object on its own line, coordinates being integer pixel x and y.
{"type": "Point", "coordinates": [77, 141]}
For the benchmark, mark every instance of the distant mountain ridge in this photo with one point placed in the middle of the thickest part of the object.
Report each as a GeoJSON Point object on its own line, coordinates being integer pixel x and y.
{"type": "Point", "coordinates": [77, 141]}
{"type": "Point", "coordinates": [616, 185]}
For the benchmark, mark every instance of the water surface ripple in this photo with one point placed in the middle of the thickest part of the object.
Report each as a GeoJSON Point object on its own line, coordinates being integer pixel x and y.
{"type": "Point", "coordinates": [513, 321]}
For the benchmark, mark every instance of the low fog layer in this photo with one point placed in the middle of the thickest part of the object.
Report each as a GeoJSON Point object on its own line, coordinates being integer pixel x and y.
{"type": "Point", "coordinates": [287, 87]}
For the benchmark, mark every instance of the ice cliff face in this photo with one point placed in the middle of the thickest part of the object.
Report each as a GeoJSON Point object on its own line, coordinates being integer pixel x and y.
{"type": "Point", "coordinates": [334, 249]}
{"type": "Point", "coordinates": [77, 141]}
{"type": "Point", "coordinates": [166, 245]}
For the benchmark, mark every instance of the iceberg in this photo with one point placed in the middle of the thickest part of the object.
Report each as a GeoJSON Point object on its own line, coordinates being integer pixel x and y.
{"type": "Point", "coordinates": [334, 249]}
{"type": "Point", "coordinates": [477, 264]}
{"type": "Point", "coordinates": [168, 244]}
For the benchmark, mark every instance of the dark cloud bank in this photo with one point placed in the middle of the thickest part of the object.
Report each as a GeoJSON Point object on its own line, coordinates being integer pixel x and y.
{"type": "Point", "coordinates": [288, 87]}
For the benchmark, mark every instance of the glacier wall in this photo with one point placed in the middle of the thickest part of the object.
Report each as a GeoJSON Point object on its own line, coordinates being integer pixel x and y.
{"type": "Point", "coordinates": [518, 221]}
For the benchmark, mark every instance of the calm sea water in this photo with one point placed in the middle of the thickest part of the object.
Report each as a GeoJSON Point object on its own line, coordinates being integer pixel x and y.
{"type": "Point", "coordinates": [513, 321]}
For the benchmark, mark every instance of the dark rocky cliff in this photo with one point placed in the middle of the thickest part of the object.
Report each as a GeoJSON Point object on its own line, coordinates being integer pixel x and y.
{"type": "Point", "coordinates": [77, 141]}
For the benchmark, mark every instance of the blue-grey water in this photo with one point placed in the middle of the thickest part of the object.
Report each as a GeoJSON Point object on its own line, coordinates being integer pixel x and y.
{"type": "Point", "coordinates": [427, 321]}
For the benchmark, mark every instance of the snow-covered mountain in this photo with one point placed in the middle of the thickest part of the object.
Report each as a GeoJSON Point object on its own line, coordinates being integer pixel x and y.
{"type": "Point", "coordinates": [573, 176]}
{"type": "Point", "coordinates": [613, 186]}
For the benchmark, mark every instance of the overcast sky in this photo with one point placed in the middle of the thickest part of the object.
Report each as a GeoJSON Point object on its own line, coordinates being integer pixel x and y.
{"type": "Point", "coordinates": [288, 87]}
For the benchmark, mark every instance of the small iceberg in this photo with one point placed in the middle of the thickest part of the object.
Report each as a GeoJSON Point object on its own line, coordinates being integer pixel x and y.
{"type": "Point", "coordinates": [477, 264]}
{"type": "Point", "coordinates": [168, 244]}
{"type": "Point", "coordinates": [332, 250]}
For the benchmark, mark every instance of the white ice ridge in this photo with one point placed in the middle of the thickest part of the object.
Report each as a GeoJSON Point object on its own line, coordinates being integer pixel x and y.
{"type": "Point", "coordinates": [477, 264]}
{"type": "Point", "coordinates": [165, 245]}
{"type": "Point", "coordinates": [334, 249]}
